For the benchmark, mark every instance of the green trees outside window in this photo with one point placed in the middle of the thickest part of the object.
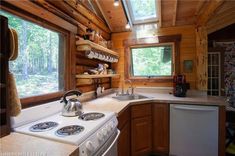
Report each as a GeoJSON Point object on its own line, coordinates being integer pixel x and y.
{"type": "Point", "coordinates": [37, 67]}
{"type": "Point", "coordinates": [152, 61]}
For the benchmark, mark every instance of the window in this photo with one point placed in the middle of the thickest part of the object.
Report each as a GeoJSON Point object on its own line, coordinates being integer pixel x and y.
{"type": "Point", "coordinates": [142, 11]}
{"type": "Point", "coordinates": [152, 61]}
{"type": "Point", "coordinates": [38, 70]}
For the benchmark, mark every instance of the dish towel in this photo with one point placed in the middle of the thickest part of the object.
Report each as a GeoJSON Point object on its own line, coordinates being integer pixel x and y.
{"type": "Point", "coordinates": [14, 101]}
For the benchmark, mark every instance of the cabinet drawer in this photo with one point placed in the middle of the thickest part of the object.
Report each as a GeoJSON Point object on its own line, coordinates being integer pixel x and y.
{"type": "Point", "coordinates": [140, 110]}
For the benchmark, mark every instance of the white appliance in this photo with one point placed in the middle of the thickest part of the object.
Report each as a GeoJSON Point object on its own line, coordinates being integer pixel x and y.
{"type": "Point", "coordinates": [95, 133]}
{"type": "Point", "coordinates": [193, 130]}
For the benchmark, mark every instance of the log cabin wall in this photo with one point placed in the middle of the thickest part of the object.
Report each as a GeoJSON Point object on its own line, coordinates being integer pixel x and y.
{"type": "Point", "coordinates": [187, 52]}
{"type": "Point", "coordinates": [79, 18]}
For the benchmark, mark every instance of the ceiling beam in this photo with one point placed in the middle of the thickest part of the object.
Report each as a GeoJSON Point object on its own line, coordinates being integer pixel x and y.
{"type": "Point", "coordinates": [208, 12]}
{"type": "Point", "coordinates": [200, 6]}
{"type": "Point", "coordinates": [174, 12]}
{"type": "Point", "coordinates": [221, 20]}
{"type": "Point", "coordinates": [88, 14]}
{"type": "Point", "coordinates": [60, 4]}
{"type": "Point", "coordinates": [159, 8]}
{"type": "Point", "coordinates": [104, 15]}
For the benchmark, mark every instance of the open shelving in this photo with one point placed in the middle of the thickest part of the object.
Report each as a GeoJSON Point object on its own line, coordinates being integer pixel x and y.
{"type": "Point", "coordinates": [86, 45]}
{"type": "Point", "coordinates": [85, 76]}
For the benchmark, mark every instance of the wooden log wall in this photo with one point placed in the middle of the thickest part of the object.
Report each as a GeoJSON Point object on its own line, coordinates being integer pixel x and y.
{"type": "Point", "coordinates": [187, 52]}
{"type": "Point", "coordinates": [74, 15]}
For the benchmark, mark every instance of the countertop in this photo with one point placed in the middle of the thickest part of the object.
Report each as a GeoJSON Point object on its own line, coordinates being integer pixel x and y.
{"type": "Point", "coordinates": [20, 144]}
{"type": "Point", "coordinates": [107, 103]}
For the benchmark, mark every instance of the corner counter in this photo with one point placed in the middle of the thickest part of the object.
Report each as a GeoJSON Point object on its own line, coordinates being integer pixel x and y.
{"type": "Point", "coordinates": [20, 144]}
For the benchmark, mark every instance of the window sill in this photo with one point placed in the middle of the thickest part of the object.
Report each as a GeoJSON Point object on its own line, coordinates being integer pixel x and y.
{"type": "Point", "coordinates": [151, 79]}
{"type": "Point", "coordinates": [40, 99]}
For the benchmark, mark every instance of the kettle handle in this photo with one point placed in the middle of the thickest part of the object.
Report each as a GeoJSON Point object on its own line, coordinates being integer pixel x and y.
{"type": "Point", "coordinates": [69, 93]}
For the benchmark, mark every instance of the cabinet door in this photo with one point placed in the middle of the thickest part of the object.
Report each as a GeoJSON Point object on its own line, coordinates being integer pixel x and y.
{"type": "Point", "coordinates": [141, 136]}
{"type": "Point", "coordinates": [161, 128]}
{"type": "Point", "coordinates": [124, 141]}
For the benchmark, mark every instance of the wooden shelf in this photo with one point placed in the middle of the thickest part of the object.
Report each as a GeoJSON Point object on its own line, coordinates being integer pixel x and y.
{"type": "Point", "coordinates": [84, 45]}
{"type": "Point", "coordinates": [97, 76]}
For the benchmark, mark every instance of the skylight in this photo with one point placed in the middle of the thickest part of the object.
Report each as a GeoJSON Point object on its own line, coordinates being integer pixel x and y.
{"type": "Point", "coordinates": [142, 11]}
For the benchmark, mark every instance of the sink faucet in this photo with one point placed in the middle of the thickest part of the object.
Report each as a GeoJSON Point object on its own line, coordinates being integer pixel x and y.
{"type": "Point", "coordinates": [131, 86]}
{"type": "Point", "coordinates": [127, 92]}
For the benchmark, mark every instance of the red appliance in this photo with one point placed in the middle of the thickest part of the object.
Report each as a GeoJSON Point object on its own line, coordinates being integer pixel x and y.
{"type": "Point", "coordinates": [179, 85]}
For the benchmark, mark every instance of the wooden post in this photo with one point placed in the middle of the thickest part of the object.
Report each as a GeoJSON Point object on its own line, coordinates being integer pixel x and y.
{"type": "Point", "coordinates": [201, 57]}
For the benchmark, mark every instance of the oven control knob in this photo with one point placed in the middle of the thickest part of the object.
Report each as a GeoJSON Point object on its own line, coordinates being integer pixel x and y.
{"type": "Point", "coordinates": [100, 136]}
{"type": "Point", "coordinates": [104, 131]}
{"type": "Point", "coordinates": [89, 146]}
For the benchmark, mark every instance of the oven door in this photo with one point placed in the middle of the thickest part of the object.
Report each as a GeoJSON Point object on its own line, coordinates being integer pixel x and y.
{"type": "Point", "coordinates": [110, 147]}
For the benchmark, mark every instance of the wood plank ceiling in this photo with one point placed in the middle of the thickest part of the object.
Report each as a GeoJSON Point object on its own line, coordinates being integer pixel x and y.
{"type": "Point", "coordinates": [105, 18]}
{"type": "Point", "coordinates": [172, 13]}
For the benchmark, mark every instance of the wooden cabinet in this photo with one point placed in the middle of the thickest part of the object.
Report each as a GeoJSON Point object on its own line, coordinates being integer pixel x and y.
{"type": "Point", "coordinates": [144, 129]}
{"type": "Point", "coordinates": [141, 130]}
{"type": "Point", "coordinates": [161, 128]}
{"type": "Point", "coordinates": [124, 141]}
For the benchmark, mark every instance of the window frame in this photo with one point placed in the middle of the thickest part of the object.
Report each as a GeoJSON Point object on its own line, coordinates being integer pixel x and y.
{"type": "Point", "coordinates": [68, 53]}
{"type": "Point", "coordinates": [174, 40]}
{"type": "Point", "coordinates": [148, 20]}
{"type": "Point", "coordinates": [152, 46]}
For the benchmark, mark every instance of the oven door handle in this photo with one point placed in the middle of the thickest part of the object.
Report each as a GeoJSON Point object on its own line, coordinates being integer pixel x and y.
{"type": "Point", "coordinates": [114, 141]}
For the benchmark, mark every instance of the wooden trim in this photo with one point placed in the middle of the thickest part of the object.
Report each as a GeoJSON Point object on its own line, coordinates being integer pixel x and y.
{"type": "Point", "coordinates": [221, 51]}
{"type": "Point", "coordinates": [40, 13]}
{"type": "Point", "coordinates": [175, 12]}
{"type": "Point", "coordinates": [34, 19]}
{"type": "Point", "coordinates": [159, 5]}
{"type": "Point", "coordinates": [222, 131]}
{"type": "Point", "coordinates": [40, 99]}
{"type": "Point", "coordinates": [146, 42]}
{"type": "Point", "coordinates": [72, 61]}
{"type": "Point", "coordinates": [69, 45]}
{"type": "Point", "coordinates": [152, 40]}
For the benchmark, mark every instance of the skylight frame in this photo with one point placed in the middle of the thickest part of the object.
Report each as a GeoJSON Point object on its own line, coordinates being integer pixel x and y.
{"type": "Point", "coordinates": [129, 9]}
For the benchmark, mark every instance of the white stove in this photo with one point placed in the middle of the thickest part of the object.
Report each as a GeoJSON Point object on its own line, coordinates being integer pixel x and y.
{"type": "Point", "coordinates": [94, 133]}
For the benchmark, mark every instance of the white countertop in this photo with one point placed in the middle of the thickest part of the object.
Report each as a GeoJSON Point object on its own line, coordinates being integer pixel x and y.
{"type": "Point", "coordinates": [107, 103]}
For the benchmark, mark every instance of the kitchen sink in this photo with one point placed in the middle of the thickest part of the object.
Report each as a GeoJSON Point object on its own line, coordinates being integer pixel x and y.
{"type": "Point", "coordinates": [129, 97]}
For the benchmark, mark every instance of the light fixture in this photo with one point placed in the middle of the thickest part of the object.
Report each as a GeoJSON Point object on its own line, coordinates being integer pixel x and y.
{"type": "Point", "coordinates": [116, 3]}
{"type": "Point", "coordinates": [128, 25]}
